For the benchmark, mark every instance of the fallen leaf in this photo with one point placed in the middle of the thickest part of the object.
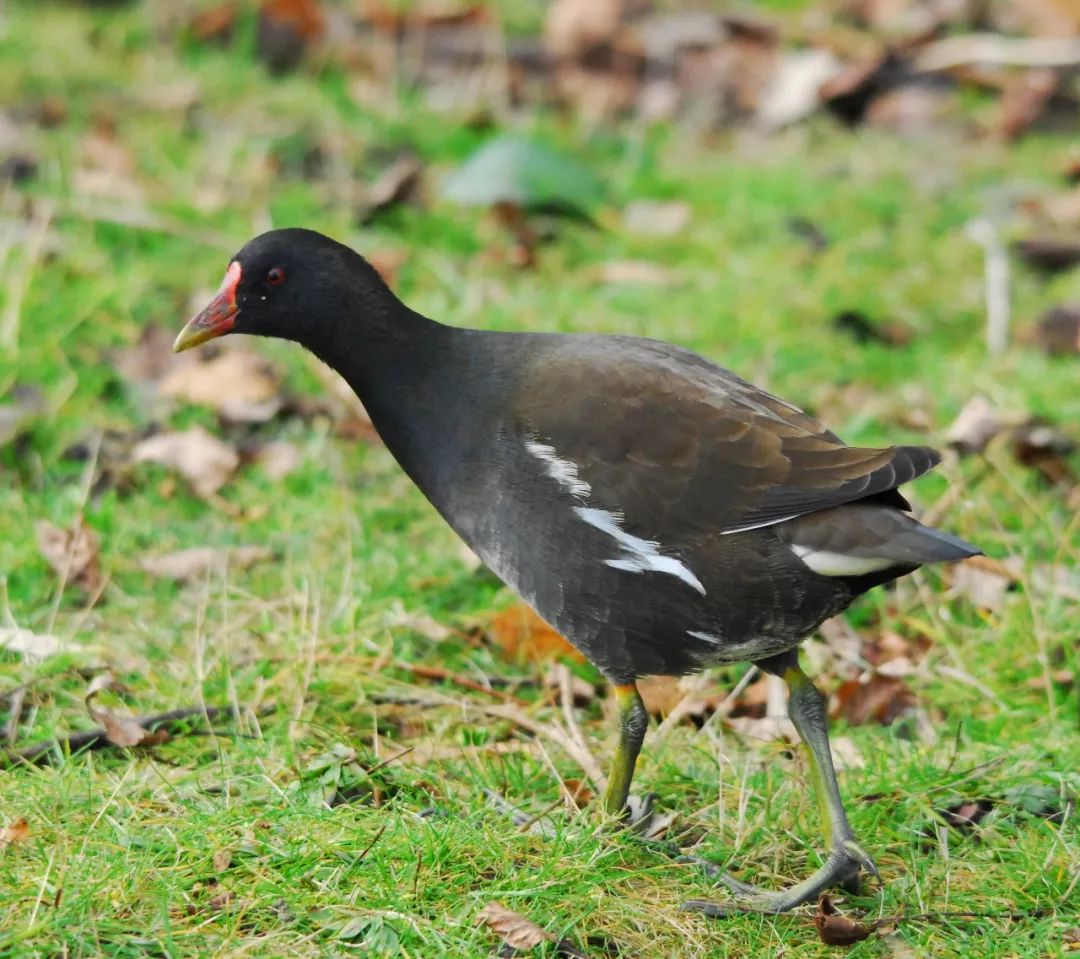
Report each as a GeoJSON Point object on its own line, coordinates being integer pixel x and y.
{"type": "Point", "coordinates": [519, 173]}
{"type": "Point", "coordinates": [398, 183]}
{"type": "Point", "coordinates": [222, 859]}
{"type": "Point", "coordinates": [514, 929]}
{"type": "Point", "coordinates": [835, 929]}
{"type": "Point", "coordinates": [965, 816]}
{"type": "Point", "coordinates": [1044, 448]}
{"type": "Point", "coordinates": [862, 329]}
{"type": "Point", "coordinates": [975, 426]}
{"type": "Point", "coordinates": [524, 637]}
{"type": "Point", "coordinates": [1025, 99]}
{"type": "Point", "coordinates": [34, 646]}
{"type": "Point", "coordinates": [206, 462]}
{"type": "Point", "coordinates": [792, 93]}
{"type": "Point", "coordinates": [239, 384]}
{"type": "Point", "coordinates": [278, 459]}
{"type": "Point", "coordinates": [883, 699]}
{"type": "Point", "coordinates": [286, 29]}
{"type": "Point", "coordinates": [1058, 332]}
{"type": "Point", "coordinates": [14, 832]}
{"type": "Point", "coordinates": [196, 563]}
{"type": "Point", "coordinates": [215, 24]}
{"type": "Point", "coordinates": [119, 730]}
{"type": "Point", "coordinates": [657, 217]}
{"type": "Point", "coordinates": [579, 792]}
{"type": "Point", "coordinates": [1049, 254]}
{"type": "Point", "coordinates": [73, 554]}
{"type": "Point", "coordinates": [635, 272]}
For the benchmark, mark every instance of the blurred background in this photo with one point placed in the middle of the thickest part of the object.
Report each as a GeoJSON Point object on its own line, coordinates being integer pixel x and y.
{"type": "Point", "coordinates": [869, 207]}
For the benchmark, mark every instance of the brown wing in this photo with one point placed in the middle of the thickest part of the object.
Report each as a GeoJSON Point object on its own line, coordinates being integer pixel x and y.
{"type": "Point", "coordinates": [672, 442]}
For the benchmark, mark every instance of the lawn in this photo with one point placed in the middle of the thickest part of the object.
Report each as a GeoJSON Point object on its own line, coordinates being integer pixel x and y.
{"type": "Point", "coordinates": [345, 809]}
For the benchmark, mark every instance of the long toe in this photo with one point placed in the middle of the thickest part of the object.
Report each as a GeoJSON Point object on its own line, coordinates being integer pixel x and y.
{"type": "Point", "coordinates": [842, 868]}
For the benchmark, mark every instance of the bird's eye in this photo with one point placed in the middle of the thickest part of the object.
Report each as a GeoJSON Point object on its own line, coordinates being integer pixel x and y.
{"type": "Point", "coordinates": [275, 276]}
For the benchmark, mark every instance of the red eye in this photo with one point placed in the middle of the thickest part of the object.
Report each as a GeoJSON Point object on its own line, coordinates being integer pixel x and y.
{"type": "Point", "coordinates": [276, 276]}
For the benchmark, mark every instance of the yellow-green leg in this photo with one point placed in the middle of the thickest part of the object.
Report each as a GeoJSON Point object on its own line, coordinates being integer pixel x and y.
{"type": "Point", "coordinates": [633, 721]}
{"type": "Point", "coordinates": [806, 707]}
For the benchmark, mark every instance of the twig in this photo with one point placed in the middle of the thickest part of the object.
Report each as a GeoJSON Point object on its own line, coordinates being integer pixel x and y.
{"type": "Point", "coordinates": [41, 753]}
{"type": "Point", "coordinates": [438, 675]}
{"type": "Point", "coordinates": [991, 49]}
{"type": "Point", "coordinates": [984, 232]}
{"type": "Point", "coordinates": [566, 697]}
{"type": "Point", "coordinates": [561, 739]}
{"type": "Point", "coordinates": [684, 705]}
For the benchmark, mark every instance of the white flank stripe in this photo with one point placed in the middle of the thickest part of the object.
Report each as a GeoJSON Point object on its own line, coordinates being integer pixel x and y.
{"type": "Point", "coordinates": [564, 472]}
{"type": "Point", "coordinates": [705, 637]}
{"type": "Point", "coordinates": [839, 564]}
{"type": "Point", "coordinates": [761, 525]}
{"type": "Point", "coordinates": [641, 555]}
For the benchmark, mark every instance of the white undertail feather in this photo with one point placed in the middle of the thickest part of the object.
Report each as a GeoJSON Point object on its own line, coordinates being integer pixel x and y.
{"type": "Point", "coordinates": [827, 563]}
{"type": "Point", "coordinates": [639, 555]}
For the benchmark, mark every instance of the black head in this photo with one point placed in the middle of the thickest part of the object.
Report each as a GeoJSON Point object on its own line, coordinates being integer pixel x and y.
{"type": "Point", "coordinates": [293, 284]}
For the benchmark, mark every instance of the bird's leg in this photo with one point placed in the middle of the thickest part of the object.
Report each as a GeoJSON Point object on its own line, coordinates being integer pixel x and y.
{"type": "Point", "coordinates": [806, 707]}
{"type": "Point", "coordinates": [633, 721]}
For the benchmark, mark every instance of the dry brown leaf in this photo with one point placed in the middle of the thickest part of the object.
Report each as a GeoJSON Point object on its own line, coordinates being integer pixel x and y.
{"type": "Point", "coordinates": [515, 930]}
{"type": "Point", "coordinates": [119, 730]}
{"type": "Point", "coordinates": [975, 426]}
{"type": "Point", "coordinates": [524, 637]}
{"type": "Point", "coordinates": [203, 460]}
{"type": "Point", "coordinates": [835, 929]}
{"type": "Point", "coordinates": [882, 699]}
{"type": "Point", "coordinates": [661, 694]}
{"type": "Point", "coordinates": [286, 29]}
{"type": "Point", "coordinates": [34, 646]}
{"type": "Point", "coordinates": [399, 182]}
{"type": "Point", "coordinates": [1058, 330]}
{"type": "Point", "coordinates": [1044, 448]}
{"type": "Point", "coordinates": [278, 459]}
{"type": "Point", "coordinates": [657, 217]}
{"type": "Point", "coordinates": [579, 791]}
{"type": "Point", "coordinates": [195, 563]}
{"type": "Point", "coordinates": [73, 554]}
{"type": "Point", "coordinates": [222, 859]}
{"type": "Point", "coordinates": [14, 832]}
{"type": "Point", "coordinates": [239, 384]}
{"type": "Point", "coordinates": [1049, 253]}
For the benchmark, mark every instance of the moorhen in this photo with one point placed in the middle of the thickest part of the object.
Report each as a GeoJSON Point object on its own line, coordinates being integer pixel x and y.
{"type": "Point", "coordinates": [661, 513]}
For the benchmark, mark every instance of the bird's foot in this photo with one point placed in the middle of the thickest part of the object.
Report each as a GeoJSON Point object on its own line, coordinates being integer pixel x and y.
{"type": "Point", "coordinates": [846, 859]}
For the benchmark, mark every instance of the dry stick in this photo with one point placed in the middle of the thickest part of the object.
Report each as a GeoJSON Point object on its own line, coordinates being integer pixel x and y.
{"type": "Point", "coordinates": [436, 674]}
{"type": "Point", "coordinates": [684, 705]}
{"type": "Point", "coordinates": [566, 697]}
{"type": "Point", "coordinates": [991, 49]}
{"type": "Point", "coordinates": [561, 739]}
{"type": "Point", "coordinates": [40, 753]}
{"type": "Point", "coordinates": [996, 280]}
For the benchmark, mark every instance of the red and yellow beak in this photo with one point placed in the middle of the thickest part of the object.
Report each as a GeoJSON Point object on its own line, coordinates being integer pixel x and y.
{"type": "Point", "coordinates": [217, 319]}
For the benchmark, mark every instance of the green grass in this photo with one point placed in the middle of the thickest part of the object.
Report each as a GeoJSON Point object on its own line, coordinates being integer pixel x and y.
{"type": "Point", "coordinates": [121, 854]}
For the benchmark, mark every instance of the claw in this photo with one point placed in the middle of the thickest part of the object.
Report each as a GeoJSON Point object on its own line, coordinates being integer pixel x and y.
{"type": "Point", "coordinates": [855, 852]}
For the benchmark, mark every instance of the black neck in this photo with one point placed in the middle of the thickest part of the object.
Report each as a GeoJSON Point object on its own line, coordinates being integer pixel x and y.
{"type": "Point", "coordinates": [403, 367]}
